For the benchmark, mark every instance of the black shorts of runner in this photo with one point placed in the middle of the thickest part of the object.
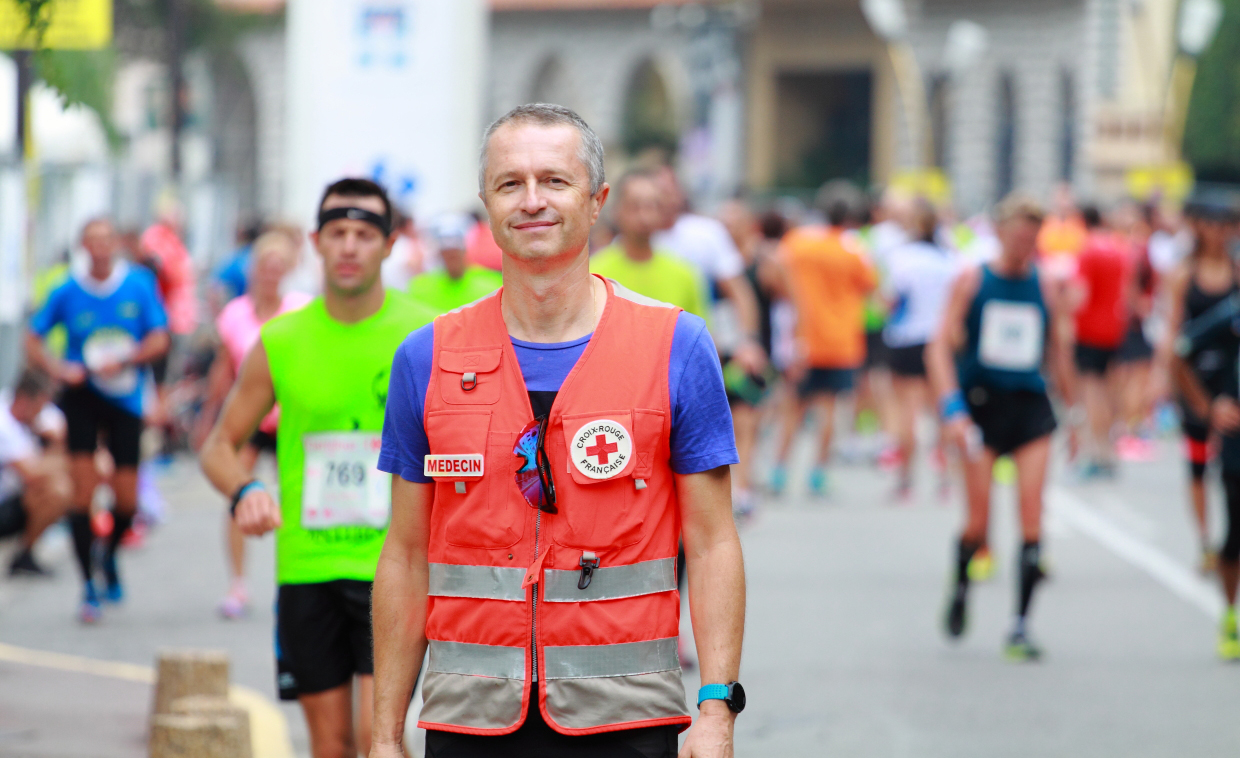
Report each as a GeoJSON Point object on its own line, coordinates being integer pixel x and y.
{"type": "Point", "coordinates": [323, 636]}
{"type": "Point", "coordinates": [1009, 419]}
{"type": "Point", "coordinates": [87, 413]}
{"type": "Point", "coordinates": [12, 516]}
{"type": "Point", "coordinates": [536, 738]}
{"type": "Point", "coordinates": [909, 361]}
{"type": "Point", "coordinates": [827, 381]}
{"type": "Point", "coordinates": [877, 354]}
{"type": "Point", "coordinates": [1135, 347]}
{"type": "Point", "coordinates": [1094, 360]}
{"type": "Point", "coordinates": [264, 442]}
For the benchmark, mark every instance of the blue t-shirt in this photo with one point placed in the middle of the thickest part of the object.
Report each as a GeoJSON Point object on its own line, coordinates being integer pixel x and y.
{"type": "Point", "coordinates": [701, 438]}
{"type": "Point", "coordinates": [105, 320]}
{"type": "Point", "coordinates": [234, 275]}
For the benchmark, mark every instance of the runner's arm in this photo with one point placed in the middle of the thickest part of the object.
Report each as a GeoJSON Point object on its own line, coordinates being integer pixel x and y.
{"type": "Point", "coordinates": [152, 347]}
{"type": "Point", "coordinates": [716, 574]}
{"type": "Point", "coordinates": [738, 291]}
{"type": "Point", "coordinates": [940, 353]}
{"type": "Point", "coordinates": [400, 600]}
{"type": "Point", "coordinates": [1061, 360]}
{"type": "Point", "coordinates": [37, 356]}
{"type": "Point", "coordinates": [251, 399]}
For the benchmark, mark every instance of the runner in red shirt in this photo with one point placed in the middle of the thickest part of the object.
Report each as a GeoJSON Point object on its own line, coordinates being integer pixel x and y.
{"type": "Point", "coordinates": [1104, 282]}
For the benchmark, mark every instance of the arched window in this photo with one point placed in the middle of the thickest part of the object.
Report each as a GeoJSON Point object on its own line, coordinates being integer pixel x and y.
{"type": "Point", "coordinates": [939, 95]}
{"type": "Point", "coordinates": [1006, 137]}
{"type": "Point", "coordinates": [1067, 126]}
{"type": "Point", "coordinates": [649, 115]}
{"type": "Point", "coordinates": [552, 84]}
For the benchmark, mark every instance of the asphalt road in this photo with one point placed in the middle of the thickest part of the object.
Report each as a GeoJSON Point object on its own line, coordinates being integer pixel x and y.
{"type": "Point", "coordinates": [843, 652]}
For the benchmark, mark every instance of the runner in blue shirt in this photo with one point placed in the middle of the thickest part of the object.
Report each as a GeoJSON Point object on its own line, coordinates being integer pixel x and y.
{"type": "Point", "coordinates": [116, 325]}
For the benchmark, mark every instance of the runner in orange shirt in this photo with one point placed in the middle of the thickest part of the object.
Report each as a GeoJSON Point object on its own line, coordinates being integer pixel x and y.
{"type": "Point", "coordinates": [830, 278]}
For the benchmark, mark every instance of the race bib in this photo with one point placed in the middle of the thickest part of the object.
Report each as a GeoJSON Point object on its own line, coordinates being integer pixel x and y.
{"type": "Point", "coordinates": [1012, 336]}
{"type": "Point", "coordinates": [342, 484]}
{"type": "Point", "coordinates": [108, 346]}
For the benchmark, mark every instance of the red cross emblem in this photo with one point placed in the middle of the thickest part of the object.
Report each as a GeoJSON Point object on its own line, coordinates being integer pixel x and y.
{"type": "Point", "coordinates": [601, 448]}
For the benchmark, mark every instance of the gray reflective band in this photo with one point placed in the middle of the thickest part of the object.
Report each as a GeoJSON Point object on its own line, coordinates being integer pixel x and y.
{"type": "Point", "coordinates": [478, 660]}
{"type": "Point", "coordinates": [485, 582]}
{"type": "Point", "coordinates": [625, 659]}
{"type": "Point", "coordinates": [610, 583]}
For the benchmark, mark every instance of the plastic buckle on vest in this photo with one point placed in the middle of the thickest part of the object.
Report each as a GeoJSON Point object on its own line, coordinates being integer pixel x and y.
{"type": "Point", "coordinates": [639, 484]}
{"type": "Point", "coordinates": [589, 562]}
{"type": "Point", "coordinates": [469, 380]}
{"type": "Point", "coordinates": [460, 488]}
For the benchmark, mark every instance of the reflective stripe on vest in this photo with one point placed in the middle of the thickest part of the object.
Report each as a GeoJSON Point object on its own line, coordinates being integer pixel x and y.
{"type": "Point", "coordinates": [611, 583]}
{"type": "Point", "coordinates": [624, 659]}
{"type": "Point", "coordinates": [495, 661]}
{"type": "Point", "coordinates": [483, 582]}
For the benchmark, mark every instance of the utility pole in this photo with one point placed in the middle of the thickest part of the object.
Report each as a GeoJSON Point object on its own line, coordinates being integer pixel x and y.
{"type": "Point", "coordinates": [25, 79]}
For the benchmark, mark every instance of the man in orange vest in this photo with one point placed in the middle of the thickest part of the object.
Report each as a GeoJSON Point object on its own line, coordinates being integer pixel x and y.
{"type": "Point", "coordinates": [550, 444]}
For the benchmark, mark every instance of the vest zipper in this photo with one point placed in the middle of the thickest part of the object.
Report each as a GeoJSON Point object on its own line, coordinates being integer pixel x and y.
{"type": "Point", "coordinates": [534, 605]}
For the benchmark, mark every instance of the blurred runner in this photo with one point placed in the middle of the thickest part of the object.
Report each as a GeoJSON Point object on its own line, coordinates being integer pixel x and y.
{"type": "Point", "coordinates": [232, 279]}
{"type": "Point", "coordinates": [480, 247]}
{"type": "Point", "coordinates": [887, 229]}
{"type": "Point", "coordinates": [919, 278]}
{"type": "Point", "coordinates": [1103, 290]}
{"type": "Point", "coordinates": [116, 326]}
{"type": "Point", "coordinates": [1135, 357]}
{"type": "Point", "coordinates": [239, 325]}
{"type": "Point", "coordinates": [631, 259]}
{"type": "Point", "coordinates": [327, 365]}
{"type": "Point", "coordinates": [35, 489]}
{"type": "Point", "coordinates": [459, 282]}
{"type": "Point", "coordinates": [408, 258]}
{"type": "Point", "coordinates": [1062, 237]}
{"type": "Point", "coordinates": [829, 279]}
{"type": "Point", "coordinates": [1204, 282]}
{"type": "Point", "coordinates": [986, 365]}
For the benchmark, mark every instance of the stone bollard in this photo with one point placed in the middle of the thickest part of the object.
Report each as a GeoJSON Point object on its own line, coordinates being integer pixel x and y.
{"type": "Point", "coordinates": [178, 735]}
{"type": "Point", "coordinates": [182, 673]}
{"type": "Point", "coordinates": [212, 707]}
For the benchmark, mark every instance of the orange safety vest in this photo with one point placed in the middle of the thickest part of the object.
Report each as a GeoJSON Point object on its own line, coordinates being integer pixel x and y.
{"type": "Point", "coordinates": [505, 613]}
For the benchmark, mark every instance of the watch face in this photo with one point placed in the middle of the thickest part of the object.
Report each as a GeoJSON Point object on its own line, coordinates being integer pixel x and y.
{"type": "Point", "coordinates": [736, 697]}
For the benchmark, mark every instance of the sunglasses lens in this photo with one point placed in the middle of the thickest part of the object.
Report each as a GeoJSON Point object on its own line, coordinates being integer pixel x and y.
{"type": "Point", "coordinates": [534, 472]}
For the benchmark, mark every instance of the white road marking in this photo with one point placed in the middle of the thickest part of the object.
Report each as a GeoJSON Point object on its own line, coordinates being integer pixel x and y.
{"type": "Point", "coordinates": [1182, 581]}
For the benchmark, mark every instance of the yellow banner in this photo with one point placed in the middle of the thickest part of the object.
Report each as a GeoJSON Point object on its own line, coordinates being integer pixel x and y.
{"type": "Point", "coordinates": [930, 183]}
{"type": "Point", "coordinates": [72, 25]}
{"type": "Point", "coordinates": [1172, 182]}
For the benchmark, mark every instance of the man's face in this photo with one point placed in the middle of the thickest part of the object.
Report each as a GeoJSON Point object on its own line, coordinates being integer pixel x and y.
{"type": "Point", "coordinates": [537, 192]}
{"type": "Point", "coordinates": [453, 258]}
{"type": "Point", "coordinates": [640, 212]}
{"type": "Point", "coordinates": [353, 251]}
{"type": "Point", "coordinates": [1019, 237]}
{"type": "Point", "coordinates": [671, 197]}
{"type": "Point", "coordinates": [100, 241]}
{"type": "Point", "coordinates": [27, 409]}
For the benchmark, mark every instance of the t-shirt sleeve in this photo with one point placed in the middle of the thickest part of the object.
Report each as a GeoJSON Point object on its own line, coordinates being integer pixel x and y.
{"type": "Point", "coordinates": [15, 443]}
{"type": "Point", "coordinates": [702, 437]}
{"type": "Point", "coordinates": [47, 317]}
{"type": "Point", "coordinates": [404, 431]}
{"type": "Point", "coordinates": [154, 316]}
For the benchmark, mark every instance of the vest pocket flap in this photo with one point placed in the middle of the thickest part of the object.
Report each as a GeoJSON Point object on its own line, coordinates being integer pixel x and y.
{"type": "Point", "coordinates": [601, 446]}
{"type": "Point", "coordinates": [458, 445]}
{"type": "Point", "coordinates": [481, 361]}
{"type": "Point", "coordinates": [648, 432]}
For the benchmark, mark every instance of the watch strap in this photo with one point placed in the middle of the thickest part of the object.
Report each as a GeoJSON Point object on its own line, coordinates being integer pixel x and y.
{"type": "Point", "coordinates": [712, 692]}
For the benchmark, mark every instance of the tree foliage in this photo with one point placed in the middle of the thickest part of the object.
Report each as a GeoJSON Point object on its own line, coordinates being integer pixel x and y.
{"type": "Point", "coordinates": [1212, 134]}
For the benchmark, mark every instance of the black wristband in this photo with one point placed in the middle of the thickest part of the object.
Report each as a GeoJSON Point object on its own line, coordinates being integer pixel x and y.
{"type": "Point", "coordinates": [242, 492]}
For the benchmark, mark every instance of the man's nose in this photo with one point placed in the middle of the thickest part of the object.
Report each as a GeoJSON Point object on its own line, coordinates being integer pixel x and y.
{"type": "Point", "coordinates": [532, 200]}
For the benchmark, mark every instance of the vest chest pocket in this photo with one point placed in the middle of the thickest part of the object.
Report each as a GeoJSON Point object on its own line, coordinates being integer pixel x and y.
{"type": "Point", "coordinates": [480, 516]}
{"type": "Point", "coordinates": [597, 502]}
{"type": "Point", "coordinates": [470, 377]}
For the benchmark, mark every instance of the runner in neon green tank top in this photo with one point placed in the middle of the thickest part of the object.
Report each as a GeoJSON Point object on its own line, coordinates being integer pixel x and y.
{"type": "Point", "coordinates": [328, 366]}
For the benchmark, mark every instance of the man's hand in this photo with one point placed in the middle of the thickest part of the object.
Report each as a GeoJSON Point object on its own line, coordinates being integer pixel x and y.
{"type": "Point", "coordinates": [386, 750]}
{"type": "Point", "coordinates": [750, 356]}
{"type": "Point", "coordinates": [257, 513]}
{"type": "Point", "coordinates": [960, 431]}
{"type": "Point", "coordinates": [109, 369]}
{"type": "Point", "coordinates": [1225, 414]}
{"type": "Point", "coordinates": [72, 374]}
{"type": "Point", "coordinates": [711, 734]}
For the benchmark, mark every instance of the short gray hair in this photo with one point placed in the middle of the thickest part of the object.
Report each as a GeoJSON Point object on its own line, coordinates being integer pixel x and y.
{"type": "Point", "coordinates": [590, 150]}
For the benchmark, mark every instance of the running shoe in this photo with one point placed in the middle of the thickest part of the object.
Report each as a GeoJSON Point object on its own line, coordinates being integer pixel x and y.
{"type": "Point", "coordinates": [981, 566]}
{"type": "Point", "coordinates": [1229, 637]}
{"type": "Point", "coordinates": [1135, 449]}
{"type": "Point", "coordinates": [957, 619]}
{"type": "Point", "coordinates": [818, 482]}
{"type": "Point", "coordinates": [889, 458]}
{"type": "Point", "coordinates": [744, 503]}
{"type": "Point", "coordinates": [113, 591]}
{"type": "Point", "coordinates": [779, 480]}
{"type": "Point", "coordinates": [1020, 649]}
{"type": "Point", "coordinates": [24, 565]}
{"type": "Point", "coordinates": [235, 604]}
{"type": "Point", "coordinates": [90, 611]}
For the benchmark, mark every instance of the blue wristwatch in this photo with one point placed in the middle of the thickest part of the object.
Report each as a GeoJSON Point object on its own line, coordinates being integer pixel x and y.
{"type": "Point", "coordinates": [732, 694]}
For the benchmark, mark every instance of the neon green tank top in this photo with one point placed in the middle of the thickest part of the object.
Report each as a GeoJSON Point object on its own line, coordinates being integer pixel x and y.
{"type": "Point", "coordinates": [441, 293]}
{"type": "Point", "coordinates": [331, 381]}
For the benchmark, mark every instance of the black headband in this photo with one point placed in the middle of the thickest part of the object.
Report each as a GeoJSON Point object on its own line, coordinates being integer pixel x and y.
{"type": "Point", "coordinates": [356, 214]}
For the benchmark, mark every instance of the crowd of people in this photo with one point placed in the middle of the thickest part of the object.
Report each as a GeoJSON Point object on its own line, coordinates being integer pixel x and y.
{"type": "Point", "coordinates": [881, 325]}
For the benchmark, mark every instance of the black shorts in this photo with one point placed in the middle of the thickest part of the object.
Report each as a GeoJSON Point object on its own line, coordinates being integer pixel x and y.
{"type": "Point", "coordinates": [827, 381]}
{"type": "Point", "coordinates": [877, 354]}
{"type": "Point", "coordinates": [87, 413]}
{"type": "Point", "coordinates": [909, 361]}
{"type": "Point", "coordinates": [535, 737]}
{"type": "Point", "coordinates": [1009, 420]}
{"type": "Point", "coordinates": [323, 636]}
{"type": "Point", "coordinates": [12, 516]}
{"type": "Point", "coordinates": [1094, 360]}
{"type": "Point", "coordinates": [1135, 347]}
{"type": "Point", "coordinates": [263, 441]}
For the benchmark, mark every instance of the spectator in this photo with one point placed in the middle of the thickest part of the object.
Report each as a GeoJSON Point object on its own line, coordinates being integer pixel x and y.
{"type": "Point", "coordinates": [458, 282]}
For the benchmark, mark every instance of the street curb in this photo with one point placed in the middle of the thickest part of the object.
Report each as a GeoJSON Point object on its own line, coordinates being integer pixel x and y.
{"type": "Point", "coordinates": [268, 728]}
